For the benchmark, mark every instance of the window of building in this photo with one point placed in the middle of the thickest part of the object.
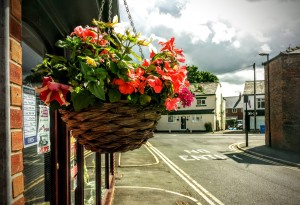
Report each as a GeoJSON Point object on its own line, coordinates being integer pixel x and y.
{"type": "Point", "coordinates": [260, 103]}
{"type": "Point", "coordinates": [234, 110]}
{"type": "Point", "coordinates": [171, 118]}
{"type": "Point", "coordinates": [196, 118]}
{"type": "Point", "coordinates": [201, 102]}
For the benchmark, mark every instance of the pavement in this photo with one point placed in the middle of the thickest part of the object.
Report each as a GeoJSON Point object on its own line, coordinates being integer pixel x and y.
{"type": "Point", "coordinates": [143, 179]}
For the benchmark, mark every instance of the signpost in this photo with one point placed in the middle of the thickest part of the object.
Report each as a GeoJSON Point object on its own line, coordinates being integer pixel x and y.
{"type": "Point", "coordinates": [246, 118]}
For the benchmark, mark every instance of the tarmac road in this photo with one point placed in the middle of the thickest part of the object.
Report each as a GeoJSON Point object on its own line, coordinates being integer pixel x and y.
{"type": "Point", "coordinates": [203, 169]}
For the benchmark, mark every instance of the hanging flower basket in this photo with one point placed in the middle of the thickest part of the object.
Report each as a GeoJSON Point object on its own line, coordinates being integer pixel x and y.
{"type": "Point", "coordinates": [112, 127]}
{"type": "Point", "coordinates": [106, 93]}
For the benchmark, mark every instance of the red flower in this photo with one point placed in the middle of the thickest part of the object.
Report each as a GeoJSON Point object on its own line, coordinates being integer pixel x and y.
{"type": "Point", "coordinates": [170, 46]}
{"type": "Point", "coordinates": [77, 31]}
{"type": "Point", "coordinates": [152, 54]}
{"type": "Point", "coordinates": [51, 91]}
{"type": "Point", "coordinates": [124, 87]}
{"type": "Point", "coordinates": [155, 83]}
{"type": "Point", "coordinates": [171, 103]}
{"type": "Point", "coordinates": [89, 32]}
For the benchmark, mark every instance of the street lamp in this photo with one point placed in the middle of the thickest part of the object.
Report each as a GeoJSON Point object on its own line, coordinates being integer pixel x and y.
{"type": "Point", "coordinates": [268, 85]}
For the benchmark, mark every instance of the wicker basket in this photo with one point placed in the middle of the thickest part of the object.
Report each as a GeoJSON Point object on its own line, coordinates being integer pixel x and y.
{"type": "Point", "coordinates": [112, 127]}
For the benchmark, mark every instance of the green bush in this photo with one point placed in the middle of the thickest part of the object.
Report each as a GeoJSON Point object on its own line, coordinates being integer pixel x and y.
{"type": "Point", "coordinates": [208, 127]}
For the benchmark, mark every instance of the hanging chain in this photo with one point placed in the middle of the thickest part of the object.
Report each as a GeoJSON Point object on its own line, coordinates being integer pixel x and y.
{"type": "Point", "coordinates": [100, 9]}
{"type": "Point", "coordinates": [132, 25]}
{"type": "Point", "coordinates": [109, 10]}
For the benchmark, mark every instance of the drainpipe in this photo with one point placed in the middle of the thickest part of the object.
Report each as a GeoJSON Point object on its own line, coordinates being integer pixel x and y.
{"type": "Point", "coordinates": [5, 139]}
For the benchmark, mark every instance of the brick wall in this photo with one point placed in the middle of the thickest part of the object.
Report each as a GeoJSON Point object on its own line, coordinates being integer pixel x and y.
{"type": "Point", "coordinates": [16, 102]}
{"type": "Point", "coordinates": [290, 101]}
{"type": "Point", "coordinates": [238, 114]}
{"type": "Point", "coordinates": [284, 102]}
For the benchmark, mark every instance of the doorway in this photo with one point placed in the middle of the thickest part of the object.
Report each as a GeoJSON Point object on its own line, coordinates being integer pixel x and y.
{"type": "Point", "coordinates": [183, 123]}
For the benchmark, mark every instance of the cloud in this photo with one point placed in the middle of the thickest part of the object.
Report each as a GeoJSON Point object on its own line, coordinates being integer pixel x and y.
{"type": "Point", "coordinates": [220, 36]}
{"type": "Point", "coordinates": [222, 32]}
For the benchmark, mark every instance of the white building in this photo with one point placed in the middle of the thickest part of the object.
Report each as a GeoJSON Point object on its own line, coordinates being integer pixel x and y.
{"type": "Point", "coordinates": [260, 104]}
{"type": "Point", "coordinates": [208, 109]}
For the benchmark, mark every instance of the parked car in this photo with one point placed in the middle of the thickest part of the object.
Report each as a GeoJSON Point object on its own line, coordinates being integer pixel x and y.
{"type": "Point", "coordinates": [239, 125]}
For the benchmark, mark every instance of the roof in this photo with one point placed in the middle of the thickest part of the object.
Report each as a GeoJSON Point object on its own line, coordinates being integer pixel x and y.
{"type": "Point", "coordinates": [292, 50]}
{"type": "Point", "coordinates": [207, 88]}
{"type": "Point", "coordinates": [189, 112]}
{"type": "Point", "coordinates": [249, 87]}
{"type": "Point", "coordinates": [288, 51]}
{"type": "Point", "coordinates": [233, 102]}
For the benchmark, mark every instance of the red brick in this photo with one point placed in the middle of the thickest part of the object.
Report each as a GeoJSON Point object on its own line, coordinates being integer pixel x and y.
{"type": "Point", "coordinates": [18, 185]}
{"type": "Point", "coordinates": [15, 29]}
{"type": "Point", "coordinates": [284, 102]}
{"type": "Point", "coordinates": [15, 73]}
{"type": "Point", "coordinates": [19, 201]}
{"type": "Point", "coordinates": [16, 95]}
{"type": "Point", "coordinates": [16, 140]}
{"type": "Point", "coordinates": [15, 118]}
{"type": "Point", "coordinates": [16, 9]}
{"type": "Point", "coordinates": [16, 163]}
{"type": "Point", "coordinates": [16, 51]}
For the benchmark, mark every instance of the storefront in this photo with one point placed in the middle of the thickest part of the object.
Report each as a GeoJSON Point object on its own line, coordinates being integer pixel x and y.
{"type": "Point", "coordinates": [41, 162]}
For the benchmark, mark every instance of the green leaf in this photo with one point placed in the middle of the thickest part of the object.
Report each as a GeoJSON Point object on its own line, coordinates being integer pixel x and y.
{"type": "Point", "coordinates": [133, 98]}
{"type": "Point", "coordinates": [101, 73]}
{"type": "Point", "coordinates": [61, 44]}
{"type": "Point", "coordinates": [114, 67]}
{"type": "Point", "coordinates": [97, 89]}
{"type": "Point", "coordinates": [114, 95]}
{"type": "Point", "coordinates": [136, 56]}
{"type": "Point", "coordinates": [145, 99]}
{"type": "Point", "coordinates": [82, 100]}
{"type": "Point", "coordinates": [85, 69]}
{"type": "Point", "coordinates": [127, 58]}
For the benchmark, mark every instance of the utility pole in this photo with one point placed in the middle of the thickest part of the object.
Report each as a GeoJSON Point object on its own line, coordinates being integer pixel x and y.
{"type": "Point", "coordinates": [254, 98]}
{"type": "Point", "coordinates": [269, 105]}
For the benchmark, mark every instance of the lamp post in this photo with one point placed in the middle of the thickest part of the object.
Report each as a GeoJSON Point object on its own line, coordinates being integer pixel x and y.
{"type": "Point", "coordinates": [254, 98]}
{"type": "Point", "coordinates": [268, 86]}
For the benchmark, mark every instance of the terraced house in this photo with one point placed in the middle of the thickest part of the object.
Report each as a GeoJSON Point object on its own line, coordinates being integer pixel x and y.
{"type": "Point", "coordinates": [207, 112]}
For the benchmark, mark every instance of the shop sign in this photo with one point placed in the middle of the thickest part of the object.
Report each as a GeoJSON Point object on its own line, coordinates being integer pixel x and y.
{"type": "Point", "coordinates": [44, 130]}
{"type": "Point", "coordinates": [29, 117]}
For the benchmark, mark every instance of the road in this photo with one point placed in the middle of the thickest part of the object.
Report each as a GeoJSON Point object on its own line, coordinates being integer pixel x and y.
{"type": "Point", "coordinates": [215, 173]}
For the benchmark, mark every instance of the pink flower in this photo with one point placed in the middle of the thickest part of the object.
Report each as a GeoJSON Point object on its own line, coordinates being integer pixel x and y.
{"type": "Point", "coordinates": [171, 103]}
{"type": "Point", "coordinates": [186, 97]}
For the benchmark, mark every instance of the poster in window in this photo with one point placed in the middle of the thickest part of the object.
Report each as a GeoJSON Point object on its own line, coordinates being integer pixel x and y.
{"type": "Point", "coordinates": [43, 134]}
{"type": "Point", "coordinates": [29, 117]}
{"type": "Point", "coordinates": [73, 162]}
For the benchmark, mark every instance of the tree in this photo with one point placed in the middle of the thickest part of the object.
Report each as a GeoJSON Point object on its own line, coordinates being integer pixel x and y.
{"type": "Point", "coordinates": [196, 76]}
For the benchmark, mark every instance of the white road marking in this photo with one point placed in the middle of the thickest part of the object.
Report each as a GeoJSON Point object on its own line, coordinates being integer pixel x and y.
{"type": "Point", "coordinates": [237, 157]}
{"type": "Point", "coordinates": [205, 194]}
{"type": "Point", "coordinates": [158, 189]}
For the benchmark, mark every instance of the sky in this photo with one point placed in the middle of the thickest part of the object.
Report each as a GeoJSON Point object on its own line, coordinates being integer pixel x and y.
{"type": "Point", "coordinates": [223, 37]}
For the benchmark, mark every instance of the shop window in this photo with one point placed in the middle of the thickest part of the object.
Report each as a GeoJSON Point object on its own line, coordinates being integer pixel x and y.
{"type": "Point", "coordinates": [260, 103]}
{"type": "Point", "coordinates": [36, 135]}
